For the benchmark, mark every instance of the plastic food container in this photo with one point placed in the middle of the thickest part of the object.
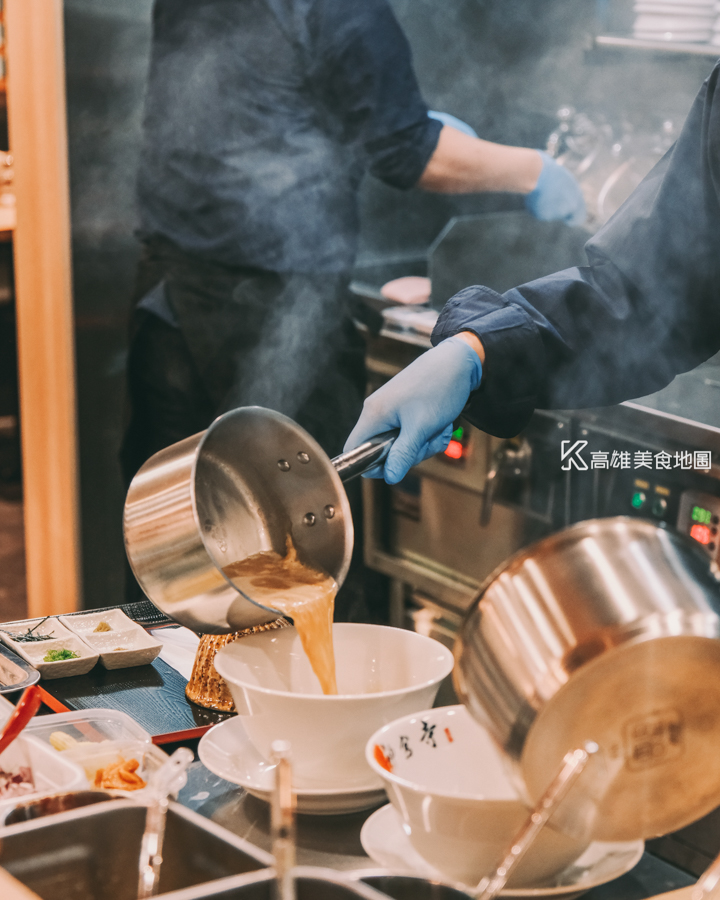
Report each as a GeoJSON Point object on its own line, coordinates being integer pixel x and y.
{"type": "Point", "coordinates": [62, 639]}
{"type": "Point", "coordinates": [120, 642]}
{"type": "Point", "coordinates": [16, 673]}
{"type": "Point", "coordinates": [50, 771]}
{"type": "Point", "coordinates": [98, 738]}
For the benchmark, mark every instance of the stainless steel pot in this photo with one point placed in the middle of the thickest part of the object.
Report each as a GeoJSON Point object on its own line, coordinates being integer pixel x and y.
{"type": "Point", "coordinates": [251, 480]}
{"type": "Point", "coordinates": [607, 632]}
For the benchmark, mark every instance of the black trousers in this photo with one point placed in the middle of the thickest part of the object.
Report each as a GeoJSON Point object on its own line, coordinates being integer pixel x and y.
{"type": "Point", "coordinates": [245, 337]}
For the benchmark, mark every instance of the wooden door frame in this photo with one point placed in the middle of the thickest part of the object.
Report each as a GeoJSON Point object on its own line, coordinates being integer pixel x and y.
{"type": "Point", "coordinates": [43, 288]}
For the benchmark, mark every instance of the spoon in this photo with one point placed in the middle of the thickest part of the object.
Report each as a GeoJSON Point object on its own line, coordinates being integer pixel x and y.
{"type": "Point", "coordinates": [26, 708]}
{"type": "Point", "coordinates": [572, 766]}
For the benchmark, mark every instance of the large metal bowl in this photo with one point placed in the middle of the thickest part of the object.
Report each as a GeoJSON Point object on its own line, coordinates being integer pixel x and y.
{"type": "Point", "coordinates": [607, 632]}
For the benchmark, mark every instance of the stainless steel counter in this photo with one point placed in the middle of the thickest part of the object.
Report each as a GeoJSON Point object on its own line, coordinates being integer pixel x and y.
{"type": "Point", "coordinates": [334, 841]}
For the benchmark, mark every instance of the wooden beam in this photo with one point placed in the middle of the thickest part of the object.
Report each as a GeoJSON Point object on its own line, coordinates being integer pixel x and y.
{"type": "Point", "coordinates": [46, 352]}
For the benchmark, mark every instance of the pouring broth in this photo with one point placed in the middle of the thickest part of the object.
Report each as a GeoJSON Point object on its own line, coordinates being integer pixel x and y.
{"type": "Point", "coordinates": [306, 595]}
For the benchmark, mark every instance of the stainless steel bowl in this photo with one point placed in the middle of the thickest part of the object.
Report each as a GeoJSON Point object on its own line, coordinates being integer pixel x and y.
{"type": "Point", "coordinates": [607, 632]}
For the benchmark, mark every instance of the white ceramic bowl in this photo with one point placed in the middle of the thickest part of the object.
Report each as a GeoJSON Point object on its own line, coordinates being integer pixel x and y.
{"type": "Point", "coordinates": [673, 9]}
{"type": "Point", "coordinates": [653, 22]}
{"type": "Point", "coordinates": [382, 673]}
{"type": "Point", "coordinates": [680, 37]}
{"type": "Point", "coordinates": [446, 778]}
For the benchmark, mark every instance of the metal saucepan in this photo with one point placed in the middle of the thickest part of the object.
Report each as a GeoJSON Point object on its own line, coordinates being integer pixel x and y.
{"type": "Point", "coordinates": [251, 480]}
{"type": "Point", "coordinates": [606, 632]}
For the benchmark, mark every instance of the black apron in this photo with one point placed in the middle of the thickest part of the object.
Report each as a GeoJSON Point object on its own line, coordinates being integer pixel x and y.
{"type": "Point", "coordinates": [243, 337]}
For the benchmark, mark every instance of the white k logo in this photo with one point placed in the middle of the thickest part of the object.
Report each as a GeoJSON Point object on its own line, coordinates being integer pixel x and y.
{"type": "Point", "coordinates": [571, 455]}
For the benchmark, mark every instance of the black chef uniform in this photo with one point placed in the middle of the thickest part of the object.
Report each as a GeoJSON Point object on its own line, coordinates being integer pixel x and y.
{"type": "Point", "coordinates": [646, 308]}
{"type": "Point", "coordinates": [261, 118]}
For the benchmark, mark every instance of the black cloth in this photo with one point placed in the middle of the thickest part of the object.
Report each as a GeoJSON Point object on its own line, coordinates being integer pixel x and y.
{"type": "Point", "coordinates": [246, 337]}
{"type": "Point", "coordinates": [646, 308]}
{"type": "Point", "coordinates": [261, 118]}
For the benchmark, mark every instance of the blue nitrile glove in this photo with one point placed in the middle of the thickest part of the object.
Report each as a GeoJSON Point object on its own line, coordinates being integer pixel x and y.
{"type": "Point", "coordinates": [557, 194]}
{"type": "Point", "coordinates": [423, 401]}
{"type": "Point", "coordinates": [453, 122]}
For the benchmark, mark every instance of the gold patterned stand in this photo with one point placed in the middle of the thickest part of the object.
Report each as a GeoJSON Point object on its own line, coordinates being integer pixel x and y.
{"type": "Point", "coordinates": [206, 687]}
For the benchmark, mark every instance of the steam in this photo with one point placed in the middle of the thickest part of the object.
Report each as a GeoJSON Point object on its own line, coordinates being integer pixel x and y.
{"type": "Point", "coordinates": [297, 342]}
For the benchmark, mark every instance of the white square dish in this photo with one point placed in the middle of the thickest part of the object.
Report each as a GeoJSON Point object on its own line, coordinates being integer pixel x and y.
{"type": "Point", "coordinates": [62, 638]}
{"type": "Point", "coordinates": [86, 623]}
{"type": "Point", "coordinates": [122, 649]}
{"type": "Point", "coordinates": [121, 643]}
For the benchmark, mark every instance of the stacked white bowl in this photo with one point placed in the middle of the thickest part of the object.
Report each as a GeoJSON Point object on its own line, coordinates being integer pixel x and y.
{"type": "Point", "coordinates": [685, 21]}
{"type": "Point", "coordinates": [716, 29]}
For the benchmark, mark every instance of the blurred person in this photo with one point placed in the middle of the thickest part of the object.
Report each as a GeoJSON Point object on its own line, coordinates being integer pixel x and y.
{"type": "Point", "coordinates": [261, 118]}
{"type": "Point", "coordinates": [645, 308]}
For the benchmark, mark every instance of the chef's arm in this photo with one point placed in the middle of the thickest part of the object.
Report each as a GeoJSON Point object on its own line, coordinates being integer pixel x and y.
{"type": "Point", "coordinates": [646, 308]}
{"type": "Point", "coordinates": [474, 342]}
{"type": "Point", "coordinates": [462, 164]}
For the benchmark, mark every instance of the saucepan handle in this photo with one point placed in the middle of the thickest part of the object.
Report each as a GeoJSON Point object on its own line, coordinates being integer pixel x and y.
{"type": "Point", "coordinates": [361, 459]}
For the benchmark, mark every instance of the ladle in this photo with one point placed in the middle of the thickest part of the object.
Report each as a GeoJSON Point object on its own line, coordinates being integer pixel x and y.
{"type": "Point", "coordinates": [282, 820]}
{"type": "Point", "coordinates": [249, 483]}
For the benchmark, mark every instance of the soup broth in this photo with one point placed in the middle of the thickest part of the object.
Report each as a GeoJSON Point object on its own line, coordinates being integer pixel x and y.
{"type": "Point", "coordinates": [306, 595]}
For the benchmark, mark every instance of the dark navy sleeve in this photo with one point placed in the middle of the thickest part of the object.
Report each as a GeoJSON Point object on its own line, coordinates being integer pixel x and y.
{"type": "Point", "coordinates": [362, 67]}
{"type": "Point", "coordinates": [646, 308]}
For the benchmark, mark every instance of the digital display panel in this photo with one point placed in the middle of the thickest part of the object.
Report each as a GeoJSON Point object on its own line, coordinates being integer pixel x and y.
{"type": "Point", "coordinates": [701, 515]}
{"type": "Point", "coordinates": [701, 533]}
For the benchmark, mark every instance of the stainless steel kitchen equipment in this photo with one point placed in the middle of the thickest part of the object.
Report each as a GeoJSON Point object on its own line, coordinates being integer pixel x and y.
{"type": "Point", "coordinates": [441, 532]}
{"type": "Point", "coordinates": [282, 821]}
{"type": "Point", "coordinates": [91, 853]}
{"type": "Point", "coordinates": [605, 632]}
{"type": "Point", "coordinates": [163, 783]}
{"type": "Point", "coordinates": [251, 481]}
{"type": "Point", "coordinates": [409, 887]}
{"type": "Point", "coordinates": [50, 804]}
{"type": "Point", "coordinates": [521, 249]}
{"type": "Point", "coordinates": [312, 884]}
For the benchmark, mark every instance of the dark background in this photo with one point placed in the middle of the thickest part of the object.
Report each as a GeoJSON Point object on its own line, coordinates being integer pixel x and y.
{"type": "Point", "coordinates": [505, 66]}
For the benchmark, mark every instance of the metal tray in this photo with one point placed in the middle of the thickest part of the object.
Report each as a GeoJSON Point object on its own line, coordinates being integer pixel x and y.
{"type": "Point", "coordinates": [409, 887]}
{"type": "Point", "coordinates": [311, 883]}
{"type": "Point", "coordinates": [15, 673]}
{"type": "Point", "coordinates": [92, 853]}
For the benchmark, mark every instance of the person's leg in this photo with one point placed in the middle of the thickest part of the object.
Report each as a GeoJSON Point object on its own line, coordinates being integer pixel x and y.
{"type": "Point", "coordinates": [168, 400]}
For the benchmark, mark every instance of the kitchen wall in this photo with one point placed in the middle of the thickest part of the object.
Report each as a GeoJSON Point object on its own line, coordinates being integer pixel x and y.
{"type": "Point", "coordinates": [107, 47]}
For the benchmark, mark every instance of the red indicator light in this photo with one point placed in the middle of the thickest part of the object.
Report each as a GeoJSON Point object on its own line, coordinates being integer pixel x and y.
{"type": "Point", "coordinates": [455, 450]}
{"type": "Point", "coordinates": [701, 533]}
